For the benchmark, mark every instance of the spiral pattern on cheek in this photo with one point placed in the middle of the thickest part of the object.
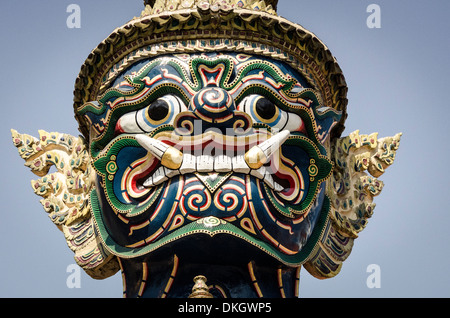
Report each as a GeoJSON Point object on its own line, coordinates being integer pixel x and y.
{"type": "Point", "coordinates": [227, 201]}
{"type": "Point", "coordinates": [195, 199]}
{"type": "Point", "coordinates": [111, 167]}
{"type": "Point", "coordinates": [313, 170]}
{"type": "Point", "coordinates": [231, 199]}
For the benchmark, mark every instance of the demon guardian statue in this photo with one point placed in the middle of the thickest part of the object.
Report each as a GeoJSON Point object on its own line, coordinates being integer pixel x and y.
{"type": "Point", "coordinates": [210, 151]}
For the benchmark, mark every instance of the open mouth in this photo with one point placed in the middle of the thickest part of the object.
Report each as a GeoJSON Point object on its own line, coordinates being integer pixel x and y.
{"type": "Point", "coordinates": [213, 153]}
{"type": "Point", "coordinates": [160, 182]}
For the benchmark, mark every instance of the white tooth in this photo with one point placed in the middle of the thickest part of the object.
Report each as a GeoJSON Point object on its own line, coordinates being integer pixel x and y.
{"type": "Point", "coordinates": [239, 165]}
{"type": "Point", "coordinates": [268, 179]}
{"type": "Point", "coordinates": [260, 154]}
{"type": "Point", "coordinates": [170, 157]}
{"type": "Point", "coordinates": [278, 188]}
{"type": "Point", "coordinates": [188, 165]}
{"type": "Point", "coordinates": [171, 173]}
{"type": "Point", "coordinates": [274, 143]}
{"type": "Point", "coordinates": [222, 163]}
{"type": "Point", "coordinates": [159, 176]}
{"type": "Point", "coordinates": [205, 163]}
{"type": "Point", "coordinates": [156, 147]}
{"type": "Point", "coordinates": [149, 182]}
{"type": "Point", "coordinates": [259, 173]}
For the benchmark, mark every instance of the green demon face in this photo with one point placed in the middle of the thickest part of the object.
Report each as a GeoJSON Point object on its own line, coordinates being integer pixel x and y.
{"type": "Point", "coordinates": [228, 144]}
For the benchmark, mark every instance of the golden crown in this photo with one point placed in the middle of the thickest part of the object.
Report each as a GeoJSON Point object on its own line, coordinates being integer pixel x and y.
{"type": "Point", "coordinates": [159, 6]}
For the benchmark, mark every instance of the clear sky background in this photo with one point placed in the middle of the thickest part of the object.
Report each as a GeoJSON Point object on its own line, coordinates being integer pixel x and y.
{"type": "Point", "coordinates": [398, 82]}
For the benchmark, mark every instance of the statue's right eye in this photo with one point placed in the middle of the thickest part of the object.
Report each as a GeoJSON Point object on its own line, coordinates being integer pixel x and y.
{"type": "Point", "coordinates": [160, 112]}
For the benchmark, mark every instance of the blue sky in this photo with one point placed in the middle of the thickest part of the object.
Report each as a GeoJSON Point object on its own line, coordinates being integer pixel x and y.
{"type": "Point", "coordinates": [398, 81]}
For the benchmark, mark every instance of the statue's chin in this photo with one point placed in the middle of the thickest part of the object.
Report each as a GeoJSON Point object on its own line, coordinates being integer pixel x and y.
{"type": "Point", "coordinates": [221, 245]}
{"type": "Point", "coordinates": [231, 266]}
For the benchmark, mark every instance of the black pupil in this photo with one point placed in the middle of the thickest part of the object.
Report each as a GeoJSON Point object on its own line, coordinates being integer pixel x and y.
{"type": "Point", "coordinates": [265, 108]}
{"type": "Point", "coordinates": [158, 110]}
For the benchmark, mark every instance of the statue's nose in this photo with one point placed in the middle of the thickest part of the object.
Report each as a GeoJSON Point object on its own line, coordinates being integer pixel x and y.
{"type": "Point", "coordinates": [213, 105]}
{"type": "Point", "coordinates": [212, 108]}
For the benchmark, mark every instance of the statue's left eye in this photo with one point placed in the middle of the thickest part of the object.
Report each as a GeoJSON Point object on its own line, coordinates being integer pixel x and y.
{"type": "Point", "coordinates": [262, 110]}
{"type": "Point", "coordinates": [265, 109]}
{"type": "Point", "coordinates": [160, 112]}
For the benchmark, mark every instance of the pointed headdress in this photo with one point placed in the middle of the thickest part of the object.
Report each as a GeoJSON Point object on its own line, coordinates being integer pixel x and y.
{"type": "Point", "coordinates": [187, 26]}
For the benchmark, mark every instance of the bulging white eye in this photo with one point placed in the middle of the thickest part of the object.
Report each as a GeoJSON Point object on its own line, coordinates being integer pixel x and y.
{"type": "Point", "coordinates": [264, 111]}
{"type": "Point", "coordinates": [160, 112]}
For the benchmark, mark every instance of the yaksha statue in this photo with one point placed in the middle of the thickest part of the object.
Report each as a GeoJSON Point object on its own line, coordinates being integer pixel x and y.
{"type": "Point", "coordinates": [211, 149]}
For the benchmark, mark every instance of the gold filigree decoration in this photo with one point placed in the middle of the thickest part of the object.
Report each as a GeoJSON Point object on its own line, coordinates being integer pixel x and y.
{"type": "Point", "coordinates": [358, 161]}
{"type": "Point", "coordinates": [65, 194]}
{"type": "Point", "coordinates": [161, 6]}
